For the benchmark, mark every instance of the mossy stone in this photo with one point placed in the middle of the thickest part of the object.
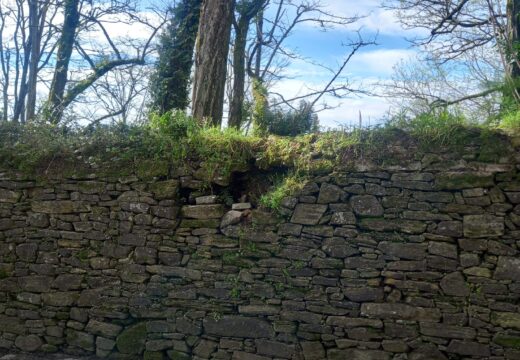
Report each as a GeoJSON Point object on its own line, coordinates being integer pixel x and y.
{"type": "Point", "coordinates": [164, 189]}
{"type": "Point", "coordinates": [177, 355]}
{"type": "Point", "coordinates": [132, 340]}
{"type": "Point", "coordinates": [153, 355]}
{"type": "Point", "coordinates": [507, 340]}
{"type": "Point", "coordinates": [3, 274]}
{"type": "Point", "coordinates": [149, 169]}
{"type": "Point", "coordinates": [463, 180]}
{"type": "Point", "coordinates": [48, 348]}
{"type": "Point", "coordinates": [91, 187]}
{"type": "Point", "coordinates": [494, 146]}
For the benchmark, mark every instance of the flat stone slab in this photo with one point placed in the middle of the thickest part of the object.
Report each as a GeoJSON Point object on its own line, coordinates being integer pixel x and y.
{"type": "Point", "coordinates": [241, 206]}
{"type": "Point", "coordinates": [239, 326]}
{"type": "Point", "coordinates": [481, 226]}
{"type": "Point", "coordinates": [203, 212]}
{"type": "Point", "coordinates": [399, 312]}
{"type": "Point", "coordinates": [508, 268]}
{"type": "Point", "coordinates": [308, 214]}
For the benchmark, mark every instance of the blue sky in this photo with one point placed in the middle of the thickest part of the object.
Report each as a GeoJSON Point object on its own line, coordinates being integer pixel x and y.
{"type": "Point", "coordinates": [371, 64]}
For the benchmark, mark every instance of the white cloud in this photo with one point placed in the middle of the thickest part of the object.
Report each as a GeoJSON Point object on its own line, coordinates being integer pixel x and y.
{"type": "Point", "coordinates": [379, 62]}
{"type": "Point", "coordinates": [347, 112]}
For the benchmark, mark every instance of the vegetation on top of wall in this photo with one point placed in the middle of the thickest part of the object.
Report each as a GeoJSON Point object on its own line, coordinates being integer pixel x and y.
{"type": "Point", "coordinates": [175, 139]}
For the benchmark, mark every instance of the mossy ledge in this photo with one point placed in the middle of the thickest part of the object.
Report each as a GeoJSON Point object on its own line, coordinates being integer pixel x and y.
{"type": "Point", "coordinates": [44, 152]}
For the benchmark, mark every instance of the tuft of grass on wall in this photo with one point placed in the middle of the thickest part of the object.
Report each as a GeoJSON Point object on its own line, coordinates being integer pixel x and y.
{"type": "Point", "coordinates": [283, 187]}
{"type": "Point", "coordinates": [510, 122]}
{"type": "Point", "coordinates": [433, 128]}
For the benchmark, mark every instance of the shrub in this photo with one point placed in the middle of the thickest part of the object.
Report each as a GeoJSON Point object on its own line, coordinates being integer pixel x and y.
{"type": "Point", "coordinates": [510, 122]}
{"type": "Point", "coordinates": [175, 124]}
{"type": "Point", "coordinates": [291, 122]}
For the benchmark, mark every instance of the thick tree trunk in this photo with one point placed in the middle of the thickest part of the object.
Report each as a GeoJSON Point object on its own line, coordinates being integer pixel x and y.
{"type": "Point", "coordinates": [211, 60]}
{"type": "Point", "coordinates": [513, 22]}
{"type": "Point", "coordinates": [65, 44]}
{"type": "Point", "coordinates": [239, 74]}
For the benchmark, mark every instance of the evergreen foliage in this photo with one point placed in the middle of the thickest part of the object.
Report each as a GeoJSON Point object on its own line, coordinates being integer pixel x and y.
{"type": "Point", "coordinates": [293, 122]}
{"type": "Point", "coordinates": [170, 83]}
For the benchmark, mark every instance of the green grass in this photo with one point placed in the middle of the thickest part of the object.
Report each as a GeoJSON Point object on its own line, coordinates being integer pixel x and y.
{"type": "Point", "coordinates": [282, 188]}
{"type": "Point", "coordinates": [173, 140]}
{"type": "Point", "coordinates": [435, 128]}
{"type": "Point", "coordinates": [510, 122]}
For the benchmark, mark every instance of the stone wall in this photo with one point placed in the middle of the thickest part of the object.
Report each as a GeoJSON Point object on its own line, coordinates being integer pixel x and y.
{"type": "Point", "coordinates": [411, 261]}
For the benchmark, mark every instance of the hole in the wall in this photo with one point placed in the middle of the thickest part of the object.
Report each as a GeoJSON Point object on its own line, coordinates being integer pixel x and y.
{"type": "Point", "coordinates": [184, 195]}
{"type": "Point", "coordinates": [256, 183]}
{"type": "Point", "coordinates": [248, 186]}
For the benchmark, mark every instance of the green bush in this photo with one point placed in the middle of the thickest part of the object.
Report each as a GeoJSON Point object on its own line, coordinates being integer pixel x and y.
{"type": "Point", "coordinates": [510, 122]}
{"type": "Point", "coordinates": [175, 124]}
{"type": "Point", "coordinates": [291, 122]}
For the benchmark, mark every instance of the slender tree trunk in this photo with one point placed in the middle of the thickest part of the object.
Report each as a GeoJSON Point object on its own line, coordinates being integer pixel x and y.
{"type": "Point", "coordinates": [247, 12]}
{"type": "Point", "coordinates": [259, 42]}
{"type": "Point", "coordinates": [34, 36]}
{"type": "Point", "coordinates": [19, 109]}
{"type": "Point", "coordinates": [4, 64]}
{"type": "Point", "coordinates": [211, 60]}
{"type": "Point", "coordinates": [513, 67]}
{"type": "Point", "coordinates": [5, 100]}
{"type": "Point", "coordinates": [55, 107]}
{"type": "Point", "coordinates": [239, 73]}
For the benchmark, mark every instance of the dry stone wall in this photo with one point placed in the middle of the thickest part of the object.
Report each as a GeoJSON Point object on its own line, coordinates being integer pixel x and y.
{"type": "Point", "coordinates": [412, 261]}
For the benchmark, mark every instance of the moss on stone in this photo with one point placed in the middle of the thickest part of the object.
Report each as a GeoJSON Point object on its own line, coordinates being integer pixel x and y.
{"type": "Point", "coordinates": [153, 355]}
{"type": "Point", "coordinates": [164, 189]}
{"type": "Point", "coordinates": [147, 169]}
{"type": "Point", "coordinates": [235, 259]}
{"type": "Point", "coordinates": [493, 146]}
{"type": "Point", "coordinates": [132, 340]}
{"type": "Point", "coordinates": [82, 255]}
{"type": "Point", "coordinates": [48, 348]}
{"type": "Point", "coordinates": [4, 274]}
{"type": "Point", "coordinates": [463, 180]}
{"type": "Point", "coordinates": [507, 341]}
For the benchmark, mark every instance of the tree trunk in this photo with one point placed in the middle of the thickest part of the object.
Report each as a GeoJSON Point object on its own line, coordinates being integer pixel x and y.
{"type": "Point", "coordinates": [4, 64]}
{"type": "Point", "coordinates": [239, 73]}
{"type": "Point", "coordinates": [34, 36]}
{"type": "Point", "coordinates": [513, 68]}
{"type": "Point", "coordinates": [65, 44]}
{"type": "Point", "coordinates": [247, 10]}
{"type": "Point", "coordinates": [19, 108]}
{"type": "Point", "coordinates": [259, 42]}
{"type": "Point", "coordinates": [211, 60]}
